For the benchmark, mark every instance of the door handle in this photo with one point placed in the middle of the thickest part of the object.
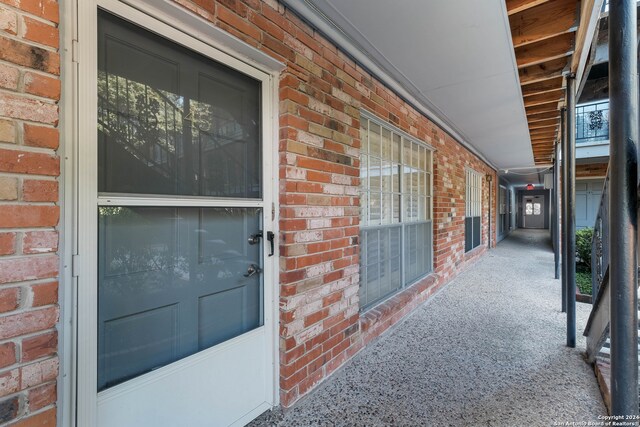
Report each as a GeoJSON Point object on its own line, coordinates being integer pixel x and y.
{"type": "Point", "coordinates": [271, 237]}
{"type": "Point", "coordinates": [253, 270]}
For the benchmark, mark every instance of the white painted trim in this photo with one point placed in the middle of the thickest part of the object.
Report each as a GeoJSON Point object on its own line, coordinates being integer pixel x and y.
{"type": "Point", "coordinates": [121, 200]}
{"type": "Point", "coordinates": [178, 17]}
{"type": "Point", "coordinates": [67, 239]}
{"type": "Point", "coordinates": [220, 47]}
{"type": "Point", "coordinates": [323, 23]}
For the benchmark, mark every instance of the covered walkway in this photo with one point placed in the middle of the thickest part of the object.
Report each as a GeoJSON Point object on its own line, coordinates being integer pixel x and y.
{"type": "Point", "coordinates": [489, 349]}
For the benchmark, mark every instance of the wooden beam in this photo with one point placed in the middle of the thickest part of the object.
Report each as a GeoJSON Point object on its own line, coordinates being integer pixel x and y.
{"type": "Point", "coordinates": [545, 50]}
{"type": "Point", "coordinates": [542, 86]}
{"type": "Point", "coordinates": [544, 98]}
{"type": "Point", "coordinates": [543, 138]}
{"type": "Point", "coordinates": [543, 71]}
{"type": "Point", "coordinates": [543, 124]}
{"type": "Point", "coordinates": [589, 16]}
{"type": "Point", "coordinates": [542, 108]}
{"type": "Point", "coordinates": [516, 6]}
{"type": "Point", "coordinates": [544, 21]}
{"type": "Point", "coordinates": [543, 116]}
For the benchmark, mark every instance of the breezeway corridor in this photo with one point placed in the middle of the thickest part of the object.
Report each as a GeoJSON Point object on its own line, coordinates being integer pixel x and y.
{"type": "Point", "coordinates": [487, 350]}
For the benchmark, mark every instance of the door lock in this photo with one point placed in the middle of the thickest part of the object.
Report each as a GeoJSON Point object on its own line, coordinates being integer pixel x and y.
{"type": "Point", "coordinates": [253, 270]}
{"type": "Point", "coordinates": [254, 239]}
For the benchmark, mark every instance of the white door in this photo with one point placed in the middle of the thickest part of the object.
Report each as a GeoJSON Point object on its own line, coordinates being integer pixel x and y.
{"type": "Point", "coordinates": [588, 194]}
{"type": "Point", "coordinates": [533, 211]}
{"type": "Point", "coordinates": [176, 180]}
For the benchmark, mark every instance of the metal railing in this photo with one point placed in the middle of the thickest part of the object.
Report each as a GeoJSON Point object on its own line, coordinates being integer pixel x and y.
{"type": "Point", "coordinates": [597, 329]}
{"type": "Point", "coordinates": [592, 122]}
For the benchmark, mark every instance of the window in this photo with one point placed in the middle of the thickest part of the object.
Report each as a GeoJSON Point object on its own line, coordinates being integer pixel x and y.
{"type": "Point", "coordinates": [473, 210]}
{"type": "Point", "coordinates": [396, 227]}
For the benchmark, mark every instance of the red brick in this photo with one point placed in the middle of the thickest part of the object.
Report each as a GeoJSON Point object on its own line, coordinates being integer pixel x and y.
{"type": "Point", "coordinates": [45, 294]}
{"type": "Point", "coordinates": [42, 33]}
{"type": "Point", "coordinates": [7, 354]}
{"type": "Point", "coordinates": [14, 216]}
{"type": "Point", "coordinates": [39, 372]}
{"type": "Point", "coordinates": [42, 396]}
{"type": "Point", "coordinates": [16, 161]}
{"type": "Point", "coordinates": [33, 110]}
{"type": "Point", "coordinates": [37, 84]}
{"type": "Point", "coordinates": [43, 419]}
{"type": "Point", "coordinates": [8, 21]}
{"type": "Point", "coordinates": [38, 242]}
{"type": "Point", "coordinates": [7, 243]}
{"type": "Point", "coordinates": [9, 76]}
{"type": "Point", "coordinates": [37, 190]}
{"type": "Point", "coordinates": [225, 15]}
{"type": "Point", "coordinates": [9, 382]}
{"type": "Point", "coordinates": [47, 9]}
{"type": "Point", "coordinates": [28, 322]}
{"type": "Point", "coordinates": [28, 268]}
{"type": "Point", "coordinates": [9, 299]}
{"type": "Point", "coordinates": [40, 346]}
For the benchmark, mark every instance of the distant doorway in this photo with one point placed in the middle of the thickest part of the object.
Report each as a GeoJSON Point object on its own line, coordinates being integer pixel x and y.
{"type": "Point", "coordinates": [533, 211]}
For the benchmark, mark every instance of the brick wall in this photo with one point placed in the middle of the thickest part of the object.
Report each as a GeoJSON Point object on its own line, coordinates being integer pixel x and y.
{"type": "Point", "coordinates": [29, 167]}
{"type": "Point", "coordinates": [591, 170]}
{"type": "Point", "coordinates": [322, 92]}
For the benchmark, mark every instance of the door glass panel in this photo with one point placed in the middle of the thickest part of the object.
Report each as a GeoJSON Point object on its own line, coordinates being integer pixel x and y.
{"type": "Point", "coordinates": [528, 210]}
{"type": "Point", "coordinates": [537, 209]}
{"type": "Point", "coordinates": [171, 121]}
{"type": "Point", "coordinates": [171, 283]}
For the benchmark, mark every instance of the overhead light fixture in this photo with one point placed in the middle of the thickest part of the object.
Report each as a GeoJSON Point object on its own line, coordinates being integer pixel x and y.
{"type": "Point", "coordinates": [530, 186]}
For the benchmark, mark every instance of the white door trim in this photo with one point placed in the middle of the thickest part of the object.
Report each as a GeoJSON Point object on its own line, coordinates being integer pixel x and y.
{"type": "Point", "coordinates": [85, 202]}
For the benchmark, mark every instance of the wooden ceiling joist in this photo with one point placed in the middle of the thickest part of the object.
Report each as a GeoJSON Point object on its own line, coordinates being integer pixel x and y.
{"type": "Point", "coordinates": [542, 86]}
{"type": "Point", "coordinates": [543, 21]}
{"type": "Point", "coordinates": [543, 71]}
{"type": "Point", "coordinates": [553, 123]}
{"type": "Point", "coordinates": [533, 118]}
{"type": "Point", "coordinates": [544, 98]}
{"type": "Point", "coordinates": [542, 108]}
{"type": "Point", "coordinates": [516, 6]}
{"type": "Point", "coordinates": [545, 50]}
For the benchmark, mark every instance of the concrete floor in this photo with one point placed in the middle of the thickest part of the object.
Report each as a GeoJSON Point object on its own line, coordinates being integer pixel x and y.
{"type": "Point", "coordinates": [487, 350]}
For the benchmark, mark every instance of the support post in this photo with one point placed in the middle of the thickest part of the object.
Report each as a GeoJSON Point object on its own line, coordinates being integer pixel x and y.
{"type": "Point", "coordinates": [556, 214]}
{"type": "Point", "coordinates": [623, 206]}
{"type": "Point", "coordinates": [563, 244]}
{"type": "Point", "coordinates": [570, 196]}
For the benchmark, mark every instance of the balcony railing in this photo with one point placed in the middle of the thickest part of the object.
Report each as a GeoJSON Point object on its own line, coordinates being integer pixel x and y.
{"type": "Point", "coordinates": [592, 122]}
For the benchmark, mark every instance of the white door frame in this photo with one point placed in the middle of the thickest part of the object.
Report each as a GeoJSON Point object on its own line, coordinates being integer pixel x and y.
{"type": "Point", "coordinates": [152, 15]}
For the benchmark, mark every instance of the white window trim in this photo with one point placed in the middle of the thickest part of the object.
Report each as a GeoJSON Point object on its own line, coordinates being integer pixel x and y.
{"type": "Point", "coordinates": [77, 401]}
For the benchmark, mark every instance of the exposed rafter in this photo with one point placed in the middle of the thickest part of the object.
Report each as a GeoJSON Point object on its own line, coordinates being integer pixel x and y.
{"type": "Point", "coordinates": [517, 6]}
{"type": "Point", "coordinates": [545, 50]}
{"type": "Point", "coordinates": [544, 71]}
{"type": "Point", "coordinates": [542, 86]}
{"type": "Point", "coordinates": [544, 98]}
{"type": "Point", "coordinates": [543, 124]}
{"type": "Point", "coordinates": [543, 21]}
{"type": "Point", "coordinates": [542, 108]}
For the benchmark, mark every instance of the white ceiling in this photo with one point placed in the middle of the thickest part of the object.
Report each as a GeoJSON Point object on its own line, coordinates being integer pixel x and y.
{"type": "Point", "coordinates": [454, 57]}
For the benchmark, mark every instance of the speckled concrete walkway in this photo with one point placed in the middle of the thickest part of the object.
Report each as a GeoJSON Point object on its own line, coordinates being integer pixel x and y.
{"type": "Point", "coordinates": [487, 350]}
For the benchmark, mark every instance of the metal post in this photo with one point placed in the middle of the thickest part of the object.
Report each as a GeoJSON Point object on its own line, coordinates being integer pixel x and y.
{"type": "Point", "coordinates": [623, 205]}
{"type": "Point", "coordinates": [570, 195]}
{"type": "Point", "coordinates": [563, 227]}
{"type": "Point", "coordinates": [556, 215]}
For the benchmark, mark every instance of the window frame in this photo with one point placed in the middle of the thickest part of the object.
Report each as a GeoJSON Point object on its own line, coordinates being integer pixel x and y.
{"type": "Point", "coordinates": [403, 221]}
{"type": "Point", "coordinates": [473, 202]}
